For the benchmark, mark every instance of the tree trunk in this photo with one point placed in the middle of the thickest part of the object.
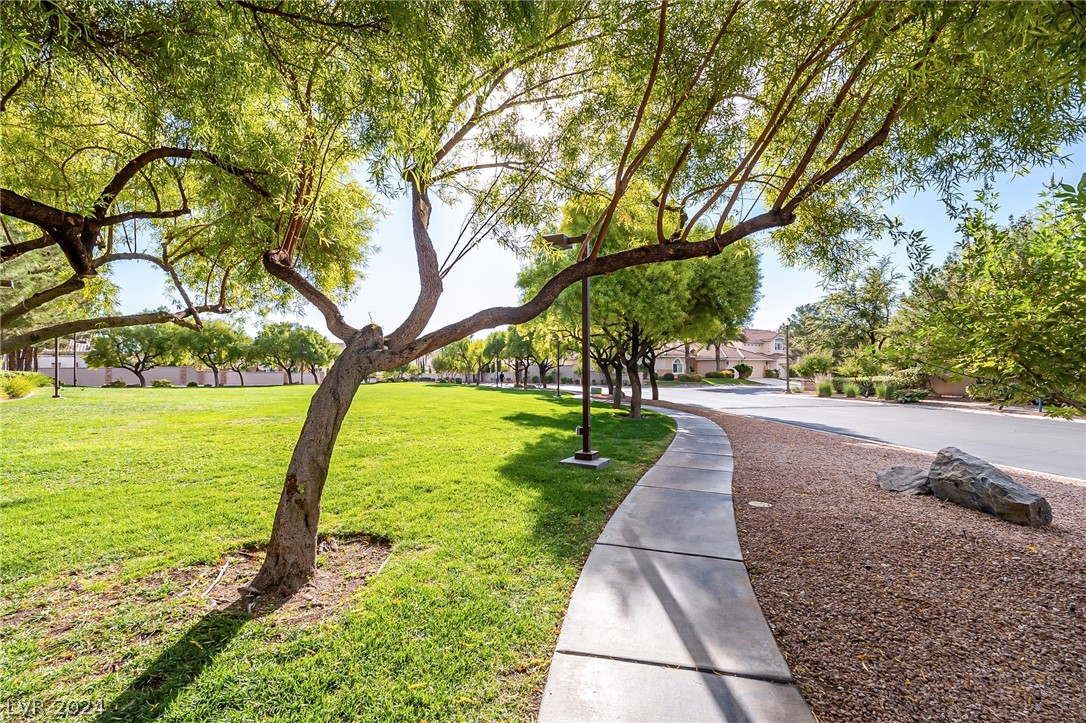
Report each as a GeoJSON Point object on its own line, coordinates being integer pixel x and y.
{"type": "Point", "coordinates": [607, 378]}
{"type": "Point", "coordinates": [635, 388]}
{"type": "Point", "coordinates": [215, 372]}
{"type": "Point", "coordinates": [292, 551]}
{"type": "Point", "coordinates": [241, 377]}
{"type": "Point", "coordinates": [652, 381]}
{"type": "Point", "coordinates": [617, 401]}
{"type": "Point", "coordinates": [290, 377]}
{"type": "Point", "coordinates": [717, 347]}
{"type": "Point", "coordinates": [139, 375]}
{"type": "Point", "coordinates": [686, 357]}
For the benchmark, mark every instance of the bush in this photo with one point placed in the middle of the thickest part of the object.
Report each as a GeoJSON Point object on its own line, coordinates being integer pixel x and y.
{"type": "Point", "coordinates": [667, 377]}
{"type": "Point", "coordinates": [192, 384]}
{"type": "Point", "coordinates": [852, 390]}
{"type": "Point", "coordinates": [689, 377]}
{"type": "Point", "coordinates": [37, 379]}
{"type": "Point", "coordinates": [912, 378]}
{"type": "Point", "coordinates": [909, 396]}
{"type": "Point", "coordinates": [743, 370]}
{"type": "Point", "coordinates": [116, 383]}
{"type": "Point", "coordinates": [884, 391]}
{"type": "Point", "coordinates": [17, 387]}
{"type": "Point", "coordinates": [567, 380]}
{"type": "Point", "coordinates": [162, 383]}
{"type": "Point", "coordinates": [817, 362]}
{"type": "Point", "coordinates": [716, 375]}
{"type": "Point", "coordinates": [825, 389]}
{"type": "Point", "coordinates": [772, 374]}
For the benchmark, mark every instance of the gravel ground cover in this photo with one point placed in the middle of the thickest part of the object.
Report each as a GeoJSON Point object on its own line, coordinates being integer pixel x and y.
{"type": "Point", "coordinates": [902, 608]}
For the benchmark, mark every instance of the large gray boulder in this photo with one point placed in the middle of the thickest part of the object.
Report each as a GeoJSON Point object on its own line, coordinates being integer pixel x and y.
{"type": "Point", "coordinates": [971, 482]}
{"type": "Point", "coordinates": [904, 479]}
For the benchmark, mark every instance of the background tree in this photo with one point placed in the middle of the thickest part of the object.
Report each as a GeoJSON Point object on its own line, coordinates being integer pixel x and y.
{"type": "Point", "coordinates": [851, 321]}
{"type": "Point", "coordinates": [317, 352]}
{"type": "Point", "coordinates": [289, 346]}
{"type": "Point", "coordinates": [1008, 309]}
{"type": "Point", "coordinates": [518, 348]}
{"type": "Point", "coordinates": [136, 349]}
{"type": "Point", "coordinates": [240, 355]}
{"type": "Point", "coordinates": [217, 345]}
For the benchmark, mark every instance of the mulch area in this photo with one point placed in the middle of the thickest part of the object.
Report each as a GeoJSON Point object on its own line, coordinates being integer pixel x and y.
{"type": "Point", "coordinates": [906, 608]}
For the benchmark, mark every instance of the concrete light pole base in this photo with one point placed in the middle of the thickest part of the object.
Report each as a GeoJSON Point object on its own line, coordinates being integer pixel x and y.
{"type": "Point", "coordinates": [595, 463]}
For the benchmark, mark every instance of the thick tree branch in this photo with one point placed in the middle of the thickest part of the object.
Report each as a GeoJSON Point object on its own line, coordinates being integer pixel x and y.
{"type": "Point", "coordinates": [11, 251]}
{"type": "Point", "coordinates": [41, 298]}
{"type": "Point", "coordinates": [430, 285]}
{"type": "Point", "coordinates": [280, 268]}
{"type": "Point", "coordinates": [654, 253]}
{"type": "Point", "coordinates": [134, 215]}
{"type": "Point", "coordinates": [41, 215]}
{"type": "Point", "coordinates": [30, 338]}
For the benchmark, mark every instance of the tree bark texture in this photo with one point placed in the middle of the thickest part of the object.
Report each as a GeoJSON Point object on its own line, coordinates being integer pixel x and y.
{"type": "Point", "coordinates": [292, 551]}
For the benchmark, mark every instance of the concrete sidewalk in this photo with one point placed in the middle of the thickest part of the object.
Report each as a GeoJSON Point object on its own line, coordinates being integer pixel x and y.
{"type": "Point", "coordinates": [663, 624]}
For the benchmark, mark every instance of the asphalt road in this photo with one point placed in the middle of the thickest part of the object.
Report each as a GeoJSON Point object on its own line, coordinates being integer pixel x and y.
{"type": "Point", "coordinates": [1034, 443]}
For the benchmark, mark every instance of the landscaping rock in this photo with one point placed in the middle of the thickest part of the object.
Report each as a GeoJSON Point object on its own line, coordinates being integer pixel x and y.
{"type": "Point", "coordinates": [904, 479]}
{"type": "Point", "coordinates": [971, 482]}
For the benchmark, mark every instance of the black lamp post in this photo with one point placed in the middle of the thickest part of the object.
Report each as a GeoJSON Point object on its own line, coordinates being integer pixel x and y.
{"type": "Point", "coordinates": [586, 457]}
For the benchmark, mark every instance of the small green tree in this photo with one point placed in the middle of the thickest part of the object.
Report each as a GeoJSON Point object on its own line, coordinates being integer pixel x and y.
{"type": "Point", "coordinates": [219, 345]}
{"type": "Point", "coordinates": [289, 346]}
{"type": "Point", "coordinates": [136, 348]}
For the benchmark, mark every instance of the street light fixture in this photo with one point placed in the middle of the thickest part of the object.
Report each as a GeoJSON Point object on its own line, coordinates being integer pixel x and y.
{"type": "Point", "coordinates": [586, 457]}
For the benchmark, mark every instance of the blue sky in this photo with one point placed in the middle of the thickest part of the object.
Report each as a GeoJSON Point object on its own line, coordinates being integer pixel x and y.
{"type": "Point", "coordinates": [487, 277]}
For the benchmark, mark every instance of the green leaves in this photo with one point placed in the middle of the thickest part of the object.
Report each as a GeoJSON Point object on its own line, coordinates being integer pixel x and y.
{"type": "Point", "coordinates": [1009, 311]}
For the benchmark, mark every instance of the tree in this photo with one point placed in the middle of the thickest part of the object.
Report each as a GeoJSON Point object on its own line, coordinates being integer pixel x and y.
{"type": "Point", "coordinates": [1009, 307]}
{"type": "Point", "coordinates": [136, 349]}
{"type": "Point", "coordinates": [853, 316]}
{"type": "Point", "coordinates": [317, 352]}
{"type": "Point", "coordinates": [218, 345]}
{"type": "Point", "coordinates": [790, 120]}
{"type": "Point", "coordinates": [291, 347]}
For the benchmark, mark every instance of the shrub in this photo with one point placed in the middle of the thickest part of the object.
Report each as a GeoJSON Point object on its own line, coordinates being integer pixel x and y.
{"type": "Point", "coordinates": [884, 391]}
{"type": "Point", "coordinates": [567, 380]}
{"type": "Point", "coordinates": [715, 375]}
{"type": "Point", "coordinates": [16, 387]}
{"type": "Point", "coordinates": [535, 380]}
{"type": "Point", "coordinates": [667, 377]}
{"type": "Point", "coordinates": [37, 379]}
{"type": "Point", "coordinates": [852, 390]}
{"type": "Point", "coordinates": [192, 384]}
{"type": "Point", "coordinates": [817, 362]}
{"type": "Point", "coordinates": [690, 377]}
{"type": "Point", "coordinates": [825, 388]}
{"type": "Point", "coordinates": [772, 374]}
{"type": "Point", "coordinates": [118, 383]}
{"type": "Point", "coordinates": [909, 396]}
{"type": "Point", "coordinates": [743, 371]}
{"type": "Point", "coordinates": [911, 378]}
{"type": "Point", "coordinates": [162, 383]}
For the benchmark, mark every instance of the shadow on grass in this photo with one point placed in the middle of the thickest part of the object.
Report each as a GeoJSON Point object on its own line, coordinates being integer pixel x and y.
{"type": "Point", "coordinates": [148, 696]}
{"type": "Point", "coordinates": [575, 503]}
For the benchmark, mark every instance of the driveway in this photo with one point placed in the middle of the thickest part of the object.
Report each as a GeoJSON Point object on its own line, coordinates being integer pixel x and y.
{"type": "Point", "coordinates": [1046, 445]}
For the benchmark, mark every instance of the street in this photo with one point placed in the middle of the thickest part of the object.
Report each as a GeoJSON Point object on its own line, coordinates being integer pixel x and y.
{"type": "Point", "coordinates": [1040, 444]}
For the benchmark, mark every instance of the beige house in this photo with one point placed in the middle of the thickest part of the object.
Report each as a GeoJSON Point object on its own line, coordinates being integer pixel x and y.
{"type": "Point", "coordinates": [760, 348]}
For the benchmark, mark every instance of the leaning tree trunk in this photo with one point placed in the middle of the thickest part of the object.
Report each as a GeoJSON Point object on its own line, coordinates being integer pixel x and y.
{"type": "Point", "coordinates": [290, 376]}
{"type": "Point", "coordinates": [241, 377]}
{"type": "Point", "coordinates": [215, 373]}
{"type": "Point", "coordinates": [139, 375]}
{"type": "Point", "coordinates": [292, 551]}
{"type": "Point", "coordinates": [652, 382]}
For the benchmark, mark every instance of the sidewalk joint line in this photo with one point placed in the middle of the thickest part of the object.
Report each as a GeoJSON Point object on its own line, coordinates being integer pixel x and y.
{"type": "Point", "coordinates": [672, 552]}
{"type": "Point", "coordinates": [689, 668]}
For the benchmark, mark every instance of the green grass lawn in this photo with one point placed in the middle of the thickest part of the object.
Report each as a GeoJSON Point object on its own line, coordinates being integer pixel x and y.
{"type": "Point", "coordinates": [109, 488]}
